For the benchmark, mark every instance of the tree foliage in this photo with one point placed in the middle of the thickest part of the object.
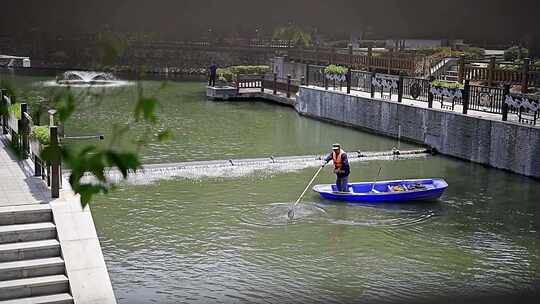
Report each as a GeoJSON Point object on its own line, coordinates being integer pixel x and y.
{"type": "Point", "coordinates": [294, 35]}
{"type": "Point", "coordinates": [516, 53]}
{"type": "Point", "coordinates": [90, 164]}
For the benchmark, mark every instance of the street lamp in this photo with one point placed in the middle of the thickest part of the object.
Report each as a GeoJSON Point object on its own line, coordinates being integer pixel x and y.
{"type": "Point", "coordinates": [51, 116]}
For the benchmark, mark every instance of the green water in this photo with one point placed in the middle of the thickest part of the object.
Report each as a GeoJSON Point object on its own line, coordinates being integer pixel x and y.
{"type": "Point", "coordinates": [227, 240]}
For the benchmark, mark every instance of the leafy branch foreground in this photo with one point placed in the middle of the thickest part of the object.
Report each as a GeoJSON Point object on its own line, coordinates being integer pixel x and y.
{"type": "Point", "coordinates": [94, 159]}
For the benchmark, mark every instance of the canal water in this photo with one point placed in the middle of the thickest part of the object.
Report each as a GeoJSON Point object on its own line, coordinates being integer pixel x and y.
{"type": "Point", "coordinates": [227, 239]}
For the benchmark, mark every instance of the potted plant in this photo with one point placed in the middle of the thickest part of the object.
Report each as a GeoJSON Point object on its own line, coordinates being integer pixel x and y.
{"type": "Point", "coordinates": [335, 72]}
{"type": "Point", "coordinates": [447, 88]}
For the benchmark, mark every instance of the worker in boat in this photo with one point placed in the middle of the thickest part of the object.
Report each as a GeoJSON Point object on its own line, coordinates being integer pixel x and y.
{"type": "Point", "coordinates": [341, 167]}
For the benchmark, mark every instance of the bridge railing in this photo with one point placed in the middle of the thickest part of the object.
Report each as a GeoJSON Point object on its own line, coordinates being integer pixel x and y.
{"type": "Point", "coordinates": [498, 73]}
{"type": "Point", "coordinates": [383, 62]}
{"type": "Point", "coordinates": [272, 82]}
{"type": "Point", "coordinates": [494, 99]}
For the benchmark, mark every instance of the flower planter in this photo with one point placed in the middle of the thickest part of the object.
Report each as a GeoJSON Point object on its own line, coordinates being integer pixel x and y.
{"type": "Point", "coordinates": [336, 77]}
{"type": "Point", "coordinates": [447, 92]}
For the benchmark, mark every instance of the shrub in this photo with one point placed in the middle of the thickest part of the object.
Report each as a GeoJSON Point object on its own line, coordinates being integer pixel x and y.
{"type": "Point", "coordinates": [335, 69]}
{"type": "Point", "coordinates": [515, 53]}
{"type": "Point", "coordinates": [473, 53]}
{"type": "Point", "coordinates": [232, 72]}
{"type": "Point", "coordinates": [41, 134]}
{"type": "Point", "coordinates": [249, 69]}
{"type": "Point", "coordinates": [226, 74]}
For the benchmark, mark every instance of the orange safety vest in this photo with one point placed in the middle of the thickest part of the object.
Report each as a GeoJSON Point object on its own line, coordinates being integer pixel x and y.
{"type": "Point", "coordinates": [337, 159]}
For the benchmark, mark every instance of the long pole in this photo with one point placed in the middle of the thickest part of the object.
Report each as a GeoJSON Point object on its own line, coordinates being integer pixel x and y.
{"type": "Point", "coordinates": [373, 186]}
{"type": "Point", "coordinates": [291, 211]}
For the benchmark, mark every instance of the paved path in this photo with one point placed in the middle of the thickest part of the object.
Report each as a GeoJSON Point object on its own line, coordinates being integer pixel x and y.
{"type": "Point", "coordinates": [81, 254]}
{"type": "Point", "coordinates": [18, 186]}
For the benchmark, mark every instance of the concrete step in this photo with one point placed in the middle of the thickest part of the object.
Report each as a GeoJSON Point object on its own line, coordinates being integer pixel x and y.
{"type": "Point", "coordinates": [31, 268]}
{"type": "Point", "coordinates": [33, 287]}
{"type": "Point", "coordinates": [27, 232]}
{"type": "Point", "coordinates": [29, 250]}
{"type": "Point", "coordinates": [60, 298]}
{"type": "Point", "coordinates": [25, 214]}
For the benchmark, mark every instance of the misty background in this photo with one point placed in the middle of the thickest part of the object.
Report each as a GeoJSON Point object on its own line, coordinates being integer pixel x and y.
{"type": "Point", "coordinates": [478, 20]}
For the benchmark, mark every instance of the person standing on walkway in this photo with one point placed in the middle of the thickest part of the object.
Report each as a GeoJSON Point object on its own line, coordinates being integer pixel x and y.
{"type": "Point", "coordinates": [213, 75]}
{"type": "Point", "coordinates": [341, 167]}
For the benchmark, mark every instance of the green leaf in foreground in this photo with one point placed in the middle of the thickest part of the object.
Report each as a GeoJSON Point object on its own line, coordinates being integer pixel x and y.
{"type": "Point", "coordinates": [125, 162]}
{"type": "Point", "coordinates": [166, 135]}
{"type": "Point", "coordinates": [146, 107]}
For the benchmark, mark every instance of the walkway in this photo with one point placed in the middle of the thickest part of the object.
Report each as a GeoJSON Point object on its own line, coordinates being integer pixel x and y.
{"type": "Point", "coordinates": [18, 186]}
{"type": "Point", "coordinates": [49, 250]}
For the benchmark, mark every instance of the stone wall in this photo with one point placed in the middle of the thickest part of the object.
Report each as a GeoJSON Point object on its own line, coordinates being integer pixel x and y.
{"type": "Point", "coordinates": [282, 68]}
{"type": "Point", "coordinates": [498, 144]}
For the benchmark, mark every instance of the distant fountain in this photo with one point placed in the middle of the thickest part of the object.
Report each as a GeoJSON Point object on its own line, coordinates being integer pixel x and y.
{"type": "Point", "coordinates": [87, 78]}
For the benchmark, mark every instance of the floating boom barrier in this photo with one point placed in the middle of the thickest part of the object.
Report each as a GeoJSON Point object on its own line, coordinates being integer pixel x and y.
{"type": "Point", "coordinates": [198, 170]}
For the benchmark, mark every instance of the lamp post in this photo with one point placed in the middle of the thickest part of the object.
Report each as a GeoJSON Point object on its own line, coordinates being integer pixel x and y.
{"type": "Point", "coordinates": [210, 35]}
{"type": "Point", "coordinates": [51, 116]}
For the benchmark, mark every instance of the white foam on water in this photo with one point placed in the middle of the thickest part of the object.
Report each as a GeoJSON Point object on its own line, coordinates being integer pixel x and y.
{"type": "Point", "coordinates": [230, 169]}
{"type": "Point", "coordinates": [86, 79]}
{"type": "Point", "coordinates": [103, 84]}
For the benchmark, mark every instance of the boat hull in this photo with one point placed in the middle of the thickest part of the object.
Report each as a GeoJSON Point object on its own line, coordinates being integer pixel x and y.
{"type": "Point", "coordinates": [411, 190]}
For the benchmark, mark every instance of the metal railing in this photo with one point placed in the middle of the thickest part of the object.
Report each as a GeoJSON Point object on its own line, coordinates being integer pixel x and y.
{"type": "Point", "coordinates": [385, 62]}
{"type": "Point", "coordinates": [19, 130]}
{"type": "Point", "coordinates": [469, 97]}
{"type": "Point", "coordinates": [492, 72]}
{"type": "Point", "coordinates": [287, 85]}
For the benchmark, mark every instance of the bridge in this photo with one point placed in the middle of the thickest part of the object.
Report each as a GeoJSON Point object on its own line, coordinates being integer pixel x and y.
{"type": "Point", "coordinates": [11, 61]}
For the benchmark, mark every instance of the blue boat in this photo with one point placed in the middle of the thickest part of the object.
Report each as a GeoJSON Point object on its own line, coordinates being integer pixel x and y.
{"type": "Point", "coordinates": [407, 190]}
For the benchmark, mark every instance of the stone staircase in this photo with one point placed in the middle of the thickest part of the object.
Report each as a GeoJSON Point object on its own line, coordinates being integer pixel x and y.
{"type": "Point", "coordinates": [32, 269]}
{"type": "Point", "coordinates": [452, 74]}
{"type": "Point", "coordinates": [446, 69]}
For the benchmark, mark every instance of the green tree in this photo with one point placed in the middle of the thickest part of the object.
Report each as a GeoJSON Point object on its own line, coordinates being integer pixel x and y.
{"type": "Point", "coordinates": [515, 53]}
{"type": "Point", "coordinates": [293, 34]}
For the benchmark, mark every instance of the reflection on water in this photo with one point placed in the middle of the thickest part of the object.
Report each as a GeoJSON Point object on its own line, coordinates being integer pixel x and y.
{"type": "Point", "coordinates": [229, 240]}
